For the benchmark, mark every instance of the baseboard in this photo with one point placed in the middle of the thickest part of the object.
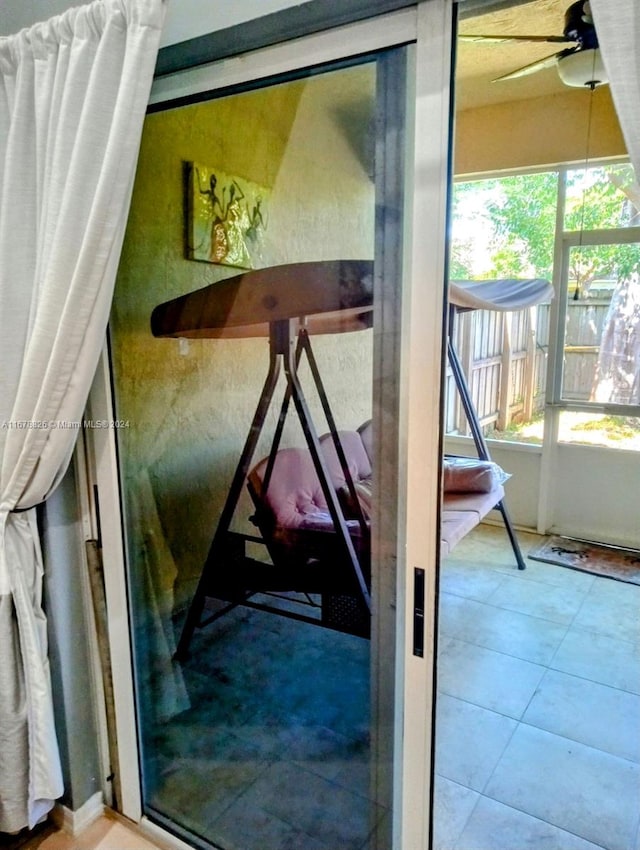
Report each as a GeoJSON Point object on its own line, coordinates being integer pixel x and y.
{"type": "Point", "coordinates": [74, 822]}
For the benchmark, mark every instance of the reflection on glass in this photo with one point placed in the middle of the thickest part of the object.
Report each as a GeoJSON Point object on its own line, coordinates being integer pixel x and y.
{"type": "Point", "coordinates": [601, 197]}
{"type": "Point", "coordinates": [602, 330]}
{"type": "Point", "coordinates": [258, 733]}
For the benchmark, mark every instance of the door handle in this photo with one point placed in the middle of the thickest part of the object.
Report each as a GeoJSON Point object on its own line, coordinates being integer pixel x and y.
{"type": "Point", "coordinates": [418, 612]}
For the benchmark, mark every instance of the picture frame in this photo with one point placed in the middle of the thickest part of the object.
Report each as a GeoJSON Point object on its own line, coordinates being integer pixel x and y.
{"type": "Point", "coordinates": [227, 217]}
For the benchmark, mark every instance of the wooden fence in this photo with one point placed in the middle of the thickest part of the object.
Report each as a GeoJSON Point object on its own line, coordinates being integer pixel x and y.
{"type": "Point", "coordinates": [585, 322]}
{"type": "Point", "coordinates": [504, 356]}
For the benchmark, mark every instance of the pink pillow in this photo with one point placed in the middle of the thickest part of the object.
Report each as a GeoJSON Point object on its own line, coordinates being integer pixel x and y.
{"type": "Point", "coordinates": [470, 475]}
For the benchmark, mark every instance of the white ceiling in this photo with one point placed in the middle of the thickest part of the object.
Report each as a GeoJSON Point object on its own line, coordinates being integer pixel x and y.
{"type": "Point", "coordinates": [479, 63]}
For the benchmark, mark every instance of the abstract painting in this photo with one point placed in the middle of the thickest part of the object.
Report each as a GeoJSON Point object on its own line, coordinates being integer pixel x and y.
{"type": "Point", "coordinates": [226, 217]}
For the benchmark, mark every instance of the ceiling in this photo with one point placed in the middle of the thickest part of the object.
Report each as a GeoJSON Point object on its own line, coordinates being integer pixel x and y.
{"type": "Point", "coordinates": [479, 63]}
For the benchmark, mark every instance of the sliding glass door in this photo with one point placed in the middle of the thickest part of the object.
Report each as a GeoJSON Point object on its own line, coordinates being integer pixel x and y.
{"type": "Point", "coordinates": [259, 731]}
{"type": "Point", "coordinates": [278, 469]}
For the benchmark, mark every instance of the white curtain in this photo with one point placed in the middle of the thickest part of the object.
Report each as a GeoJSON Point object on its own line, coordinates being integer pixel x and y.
{"type": "Point", "coordinates": [73, 93]}
{"type": "Point", "coordinates": [617, 23]}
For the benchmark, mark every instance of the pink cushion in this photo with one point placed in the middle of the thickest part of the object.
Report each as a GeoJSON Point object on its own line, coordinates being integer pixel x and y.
{"type": "Point", "coordinates": [357, 458]}
{"type": "Point", "coordinates": [364, 495]}
{"type": "Point", "coordinates": [481, 503]}
{"type": "Point", "coordinates": [296, 500]}
{"type": "Point", "coordinates": [453, 527]}
{"type": "Point", "coordinates": [294, 495]}
{"type": "Point", "coordinates": [463, 511]}
{"type": "Point", "coordinates": [468, 475]}
{"type": "Point", "coordinates": [294, 492]}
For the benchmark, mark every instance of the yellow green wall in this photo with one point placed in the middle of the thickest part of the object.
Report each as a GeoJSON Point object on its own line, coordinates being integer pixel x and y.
{"type": "Point", "coordinates": [189, 413]}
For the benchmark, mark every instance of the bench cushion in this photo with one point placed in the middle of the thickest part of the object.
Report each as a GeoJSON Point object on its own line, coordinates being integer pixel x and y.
{"type": "Point", "coordinates": [294, 497]}
{"type": "Point", "coordinates": [469, 475]}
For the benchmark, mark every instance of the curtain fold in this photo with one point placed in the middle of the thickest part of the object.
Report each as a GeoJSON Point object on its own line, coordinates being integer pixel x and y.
{"type": "Point", "coordinates": [617, 23]}
{"type": "Point", "coordinates": [73, 94]}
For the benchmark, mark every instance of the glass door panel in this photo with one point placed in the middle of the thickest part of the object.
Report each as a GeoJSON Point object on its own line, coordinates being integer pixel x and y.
{"type": "Point", "coordinates": [602, 325]}
{"type": "Point", "coordinates": [251, 605]}
{"type": "Point", "coordinates": [600, 347]}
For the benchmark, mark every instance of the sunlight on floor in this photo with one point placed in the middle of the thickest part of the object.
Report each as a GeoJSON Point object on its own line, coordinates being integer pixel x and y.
{"type": "Point", "coordinates": [592, 429]}
{"type": "Point", "coordinates": [109, 832]}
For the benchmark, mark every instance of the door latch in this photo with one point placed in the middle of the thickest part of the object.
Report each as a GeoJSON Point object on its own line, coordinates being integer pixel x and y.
{"type": "Point", "coordinates": [418, 612]}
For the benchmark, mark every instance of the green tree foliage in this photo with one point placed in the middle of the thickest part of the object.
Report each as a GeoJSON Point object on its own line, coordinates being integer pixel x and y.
{"type": "Point", "coordinates": [520, 212]}
{"type": "Point", "coordinates": [505, 227]}
{"type": "Point", "coordinates": [514, 220]}
{"type": "Point", "coordinates": [524, 214]}
{"type": "Point", "coordinates": [600, 199]}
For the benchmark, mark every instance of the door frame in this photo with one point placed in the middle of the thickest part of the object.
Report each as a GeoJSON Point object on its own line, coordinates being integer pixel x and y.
{"type": "Point", "coordinates": [427, 28]}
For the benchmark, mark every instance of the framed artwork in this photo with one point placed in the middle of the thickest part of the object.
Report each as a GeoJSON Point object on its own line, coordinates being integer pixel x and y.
{"type": "Point", "coordinates": [226, 217]}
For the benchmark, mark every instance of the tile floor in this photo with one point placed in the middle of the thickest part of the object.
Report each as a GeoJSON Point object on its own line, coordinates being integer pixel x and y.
{"type": "Point", "coordinates": [538, 725]}
{"type": "Point", "coordinates": [273, 753]}
{"type": "Point", "coordinates": [538, 713]}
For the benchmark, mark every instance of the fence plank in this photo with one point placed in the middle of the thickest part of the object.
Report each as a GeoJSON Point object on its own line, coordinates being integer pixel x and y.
{"type": "Point", "coordinates": [529, 388]}
{"type": "Point", "coordinates": [504, 396]}
{"type": "Point", "coordinates": [505, 357]}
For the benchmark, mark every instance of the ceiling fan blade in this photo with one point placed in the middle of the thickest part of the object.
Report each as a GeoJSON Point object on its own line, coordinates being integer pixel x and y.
{"type": "Point", "coordinates": [504, 39]}
{"type": "Point", "coordinates": [534, 67]}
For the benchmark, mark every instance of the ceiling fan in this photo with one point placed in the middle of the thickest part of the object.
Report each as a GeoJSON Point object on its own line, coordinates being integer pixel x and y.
{"type": "Point", "coordinates": [578, 65]}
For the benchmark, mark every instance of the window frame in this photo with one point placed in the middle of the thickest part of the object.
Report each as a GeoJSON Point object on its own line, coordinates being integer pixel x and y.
{"type": "Point", "coordinates": [564, 240]}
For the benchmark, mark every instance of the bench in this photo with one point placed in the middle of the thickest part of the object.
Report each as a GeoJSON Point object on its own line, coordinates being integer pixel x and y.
{"type": "Point", "coordinates": [327, 562]}
{"type": "Point", "coordinates": [293, 503]}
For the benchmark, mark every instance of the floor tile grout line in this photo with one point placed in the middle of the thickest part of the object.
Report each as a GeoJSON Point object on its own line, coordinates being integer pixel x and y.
{"type": "Point", "coordinates": [501, 756]}
{"type": "Point", "coordinates": [289, 822]}
{"type": "Point", "coordinates": [567, 584]}
{"type": "Point", "coordinates": [576, 741]}
{"type": "Point", "coordinates": [575, 616]}
{"type": "Point", "coordinates": [524, 811]}
{"type": "Point", "coordinates": [488, 602]}
{"type": "Point", "coordinates": [497, 652]}
{"type": "Point", "coordinates": [593, 681]}
{"type": "Point", "coordinates": [476, 705]}
{"type": "Point", "coordinates": [534, 581]}
{"type": "Point", "coordinates": [550, 668]}
{"type": "Point", "coordinates": [536, 691]}
{"type": "Point", "coordinates": [509, 610]}
{"type": "Point", "coordinates": [507, 571]}
{"type": "Point", "coordinates": [535, 817]}
{"type": "Point", "coordinates": [520, 721]}
{"type": "Point", "coordinates": [236, 797]}
{"type": "Point", "coordinates": [475, 806]}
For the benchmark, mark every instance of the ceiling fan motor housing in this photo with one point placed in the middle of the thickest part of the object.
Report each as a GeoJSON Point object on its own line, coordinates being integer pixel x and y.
{"type": "Point", "coordinates": [581, 66]}
{"type": "Point", "coordinates": [578, 25]}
